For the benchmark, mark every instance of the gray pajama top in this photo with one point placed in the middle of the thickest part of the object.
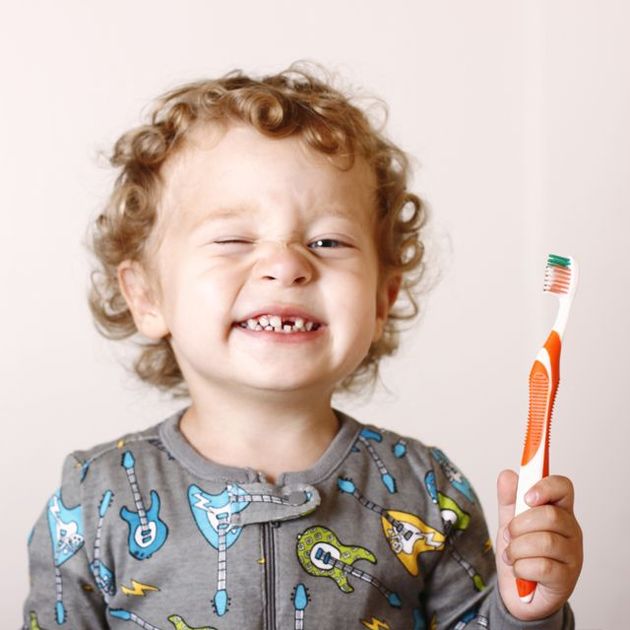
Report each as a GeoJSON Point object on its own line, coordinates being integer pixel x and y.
{"type": "Point", "coordinates": [382, 533]}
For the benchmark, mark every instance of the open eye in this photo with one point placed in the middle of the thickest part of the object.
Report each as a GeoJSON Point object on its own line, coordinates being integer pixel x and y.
{"type": "Point", "coordinates": [325, 242]}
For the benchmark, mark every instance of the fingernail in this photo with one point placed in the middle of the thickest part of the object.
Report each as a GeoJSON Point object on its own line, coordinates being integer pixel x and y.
{"type": "Point", "coordinates": [531, 497]}
{"type": "Point", "coordinates": [504, 557]}
{"type": "Point", "coordinates": [506, 534]}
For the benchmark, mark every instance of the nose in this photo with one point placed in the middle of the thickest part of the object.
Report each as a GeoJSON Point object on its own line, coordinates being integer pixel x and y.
{"type": "Point", "coordinates": [284, 263]}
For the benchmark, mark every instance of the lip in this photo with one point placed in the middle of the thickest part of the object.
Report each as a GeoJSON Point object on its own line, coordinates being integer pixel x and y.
{"type": "Point", "coordinates": [270, 336]}
{"type": "Point", "coordinates": [284, 311]}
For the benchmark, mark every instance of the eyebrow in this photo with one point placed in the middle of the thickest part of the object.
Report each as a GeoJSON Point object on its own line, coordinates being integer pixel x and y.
{"type": "Point", "coordinates": [237, 211]}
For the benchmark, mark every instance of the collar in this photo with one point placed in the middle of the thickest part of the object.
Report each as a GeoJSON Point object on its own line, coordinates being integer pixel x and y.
{"type": "Point", "coordinates": [205, 468]}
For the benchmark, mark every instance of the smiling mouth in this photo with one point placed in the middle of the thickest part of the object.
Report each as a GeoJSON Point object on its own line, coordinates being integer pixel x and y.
{"type": "Point", "coordinates": [275, 323]}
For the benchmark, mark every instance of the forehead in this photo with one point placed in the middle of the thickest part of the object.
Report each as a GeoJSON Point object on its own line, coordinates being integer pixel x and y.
{"type": "Point", "coordinates": [221, 166]}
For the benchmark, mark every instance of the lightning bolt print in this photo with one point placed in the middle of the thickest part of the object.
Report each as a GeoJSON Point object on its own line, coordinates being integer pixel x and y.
{"type": "Point", "coordinates": [137, 588]}
{"type": "Point", "coordinates": [375, 624]}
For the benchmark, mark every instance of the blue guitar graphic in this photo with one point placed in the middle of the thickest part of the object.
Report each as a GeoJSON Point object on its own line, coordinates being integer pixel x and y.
{"type": "Point", "coordinates": [364, 437]}
{"type": "Point", "coordinates": [147, 532]}
{"type": "Point", "coordinates": [66, 534]}
{"type": "Point", "coordinates": [103, 576]}
{"type": "Point", "coordinates": [212, 513]}
{"type": "Point", "coordinates": [127, 615]}
{"type": "Point", "coordinates": [300, 599]}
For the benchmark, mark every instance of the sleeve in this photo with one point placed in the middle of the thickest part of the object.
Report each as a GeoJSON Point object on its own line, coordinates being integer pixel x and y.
{"type": "Point", "coordinates": [62, 590]}
{"type": "Point", "coordinates": [461, 591]}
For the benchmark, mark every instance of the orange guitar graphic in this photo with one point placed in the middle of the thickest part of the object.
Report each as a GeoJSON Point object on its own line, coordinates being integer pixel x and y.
{"type": "Point", "coordinates": [408, 536]}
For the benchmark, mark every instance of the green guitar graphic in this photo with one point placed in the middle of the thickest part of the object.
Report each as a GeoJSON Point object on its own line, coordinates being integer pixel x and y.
{"type": "Point", "coordinates": [322, 554]}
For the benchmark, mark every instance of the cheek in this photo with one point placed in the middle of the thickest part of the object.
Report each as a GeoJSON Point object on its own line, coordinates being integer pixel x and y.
{"type": "Point", "coordinates": [356, 299]}
{"type": "Point", "coordinates": [196, 298]}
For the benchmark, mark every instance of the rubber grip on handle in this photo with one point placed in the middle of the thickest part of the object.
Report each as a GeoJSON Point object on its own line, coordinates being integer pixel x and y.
{"type": "Point", "coordinates": [544, 378]}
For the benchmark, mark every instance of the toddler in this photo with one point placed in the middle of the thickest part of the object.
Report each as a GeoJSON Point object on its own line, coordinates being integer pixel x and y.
{"type": "Point", "coordinates": [258, 238]}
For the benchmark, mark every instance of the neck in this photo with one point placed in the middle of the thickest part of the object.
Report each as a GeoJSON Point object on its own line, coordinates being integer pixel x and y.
{"type": "Point", "coordinates": [272, 434]}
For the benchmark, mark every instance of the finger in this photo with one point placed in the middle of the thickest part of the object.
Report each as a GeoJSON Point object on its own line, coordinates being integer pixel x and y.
{"type": "Point", "coordinates": [539, 545]}
{"type": "Point", "coordinates": [506, 496]}
{"type": "Point", "coordinates": [543, 570]}
{"type": "Point", "coordinates": [554, 489]}
{"type": "Point", "coordinates": [549, 518]}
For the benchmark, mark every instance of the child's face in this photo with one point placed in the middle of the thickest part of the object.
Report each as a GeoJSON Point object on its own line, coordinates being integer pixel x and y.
{"type": "Point", "coordinates": [248, 225]}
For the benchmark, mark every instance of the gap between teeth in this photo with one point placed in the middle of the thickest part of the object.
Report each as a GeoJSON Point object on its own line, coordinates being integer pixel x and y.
{"type": "Point", "coordinates": [274, 323]}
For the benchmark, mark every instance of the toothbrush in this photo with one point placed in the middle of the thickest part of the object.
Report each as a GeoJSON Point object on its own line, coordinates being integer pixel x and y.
{"type": "Point", "coordinates": [561, 277]}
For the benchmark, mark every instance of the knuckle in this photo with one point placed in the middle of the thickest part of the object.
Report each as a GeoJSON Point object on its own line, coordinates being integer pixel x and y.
{"type": "Point", "coordinates": [511, 530]}
{"type": "Point", "coordinates": [546, 567]}
{"type": "Point", "coordinates": [552, 515]}
{"type": "Point", "coordinates": [513, 527]}
{"type": "Point", "coordinates": [548, 543]}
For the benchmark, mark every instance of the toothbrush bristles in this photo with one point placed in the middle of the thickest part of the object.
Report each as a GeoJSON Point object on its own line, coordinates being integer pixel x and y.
{"type": "Point", "coordinates": [557, 274]}
{"type": "Point", "coordinates": [562, 261]}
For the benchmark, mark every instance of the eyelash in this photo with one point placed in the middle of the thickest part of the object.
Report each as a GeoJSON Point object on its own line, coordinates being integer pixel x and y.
{"type": "Point", "coordinates": [332, 240]}
{"type": "Point", "coordinates": [319, 240]}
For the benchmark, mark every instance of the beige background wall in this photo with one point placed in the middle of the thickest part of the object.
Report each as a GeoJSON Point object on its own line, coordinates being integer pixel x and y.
{"type": "Point", "coordinates": [517, 115]}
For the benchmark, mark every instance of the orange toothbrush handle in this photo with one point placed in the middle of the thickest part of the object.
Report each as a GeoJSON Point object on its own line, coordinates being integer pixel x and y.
{"type": "Point", "coordinates": [544, 378]}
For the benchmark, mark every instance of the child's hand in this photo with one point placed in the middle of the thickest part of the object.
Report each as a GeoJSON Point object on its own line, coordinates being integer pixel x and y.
{"type": "Point", "coordinates": [543, 544]}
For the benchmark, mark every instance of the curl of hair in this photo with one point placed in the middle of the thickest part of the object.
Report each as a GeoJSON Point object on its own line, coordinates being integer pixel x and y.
{"type": "Point", "coordinates": [292, 102]}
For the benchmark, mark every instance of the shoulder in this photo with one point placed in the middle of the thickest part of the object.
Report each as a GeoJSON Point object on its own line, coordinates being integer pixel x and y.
{"type": "Point", "coordinates": [105, 461]}
{"type": "Point", "coordinates": [403, 448]}
{"type": "Point", "coordinates": [103, 453]}
{"type": "Point", "coordinates": [428, 464]}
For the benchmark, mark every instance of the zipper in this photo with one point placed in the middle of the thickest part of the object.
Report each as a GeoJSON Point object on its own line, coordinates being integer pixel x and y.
{"type": "Point", "coordinates": [269, 556]}
{"type": "Point", "coordinates": [270, 574]}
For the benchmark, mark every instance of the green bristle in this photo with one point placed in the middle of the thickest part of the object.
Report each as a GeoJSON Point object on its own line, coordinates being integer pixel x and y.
{"type": "Point", "coordinates": [558, 261]}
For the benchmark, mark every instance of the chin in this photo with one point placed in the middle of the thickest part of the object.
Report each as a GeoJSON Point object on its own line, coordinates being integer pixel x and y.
{"type": "Point", "coordinates": [286, 384]}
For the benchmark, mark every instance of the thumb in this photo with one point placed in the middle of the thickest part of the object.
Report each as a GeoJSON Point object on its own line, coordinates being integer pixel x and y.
{"type": "Point", "coordinates": [506, 496]}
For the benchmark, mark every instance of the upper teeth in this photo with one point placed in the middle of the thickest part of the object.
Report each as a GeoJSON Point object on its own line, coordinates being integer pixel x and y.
{"type": "Point", "coordinates": [274, 322]}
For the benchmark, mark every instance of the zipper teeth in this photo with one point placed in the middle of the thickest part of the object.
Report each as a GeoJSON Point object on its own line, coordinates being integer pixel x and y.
{"type": "Point", "coordinates": [270, 577]}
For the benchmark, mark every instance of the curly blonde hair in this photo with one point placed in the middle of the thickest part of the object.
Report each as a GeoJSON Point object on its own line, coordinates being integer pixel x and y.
{"type": "Point", "coordinates": [291, 102]}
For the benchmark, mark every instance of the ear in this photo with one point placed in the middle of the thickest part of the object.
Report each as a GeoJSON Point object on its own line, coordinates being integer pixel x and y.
{"type": "Point", "coordinates": [385, 299]}
{"type": "Point", "coordinates": [136, 288]}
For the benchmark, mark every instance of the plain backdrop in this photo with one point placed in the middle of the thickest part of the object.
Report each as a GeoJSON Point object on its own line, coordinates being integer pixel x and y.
{"type": "Point", "coordinates": [516, 115]}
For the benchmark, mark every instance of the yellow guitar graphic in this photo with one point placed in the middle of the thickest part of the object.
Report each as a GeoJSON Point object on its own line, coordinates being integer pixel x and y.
{"type": "Point", "coordinates": [408, 536]}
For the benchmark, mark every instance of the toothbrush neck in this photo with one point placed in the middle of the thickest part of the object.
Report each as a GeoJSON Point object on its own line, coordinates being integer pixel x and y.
{"type": "Point", "coordinates": [562, 316]}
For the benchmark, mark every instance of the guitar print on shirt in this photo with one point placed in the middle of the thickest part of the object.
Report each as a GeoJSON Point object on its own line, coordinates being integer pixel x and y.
{"type": "Point", "coordinates": [212, 514]}
{"type": "Point", "coordinates": [147, 532]}
{"type": "Point", "coordinates": [103, 576]}
{"type": "Point", "coordinates": [457, 519]}
{"type": "Point", "coordinates": [408, 536]}
{"type": "Point", "coordinates": [365, 436]}
{"type": "Point", "coordinates": [66, 534]}
{"type": "Point", "coordinates": [300, 598]}
{"type": "Point", "coordinates": [322, 554]}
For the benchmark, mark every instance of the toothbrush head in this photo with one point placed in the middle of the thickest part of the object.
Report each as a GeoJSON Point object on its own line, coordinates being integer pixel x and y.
{"type": "Point", "coordinates": [560, 275]}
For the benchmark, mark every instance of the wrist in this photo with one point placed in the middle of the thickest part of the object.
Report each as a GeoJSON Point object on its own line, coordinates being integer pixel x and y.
{"type": "Point", "coordinates": [562, 619]}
